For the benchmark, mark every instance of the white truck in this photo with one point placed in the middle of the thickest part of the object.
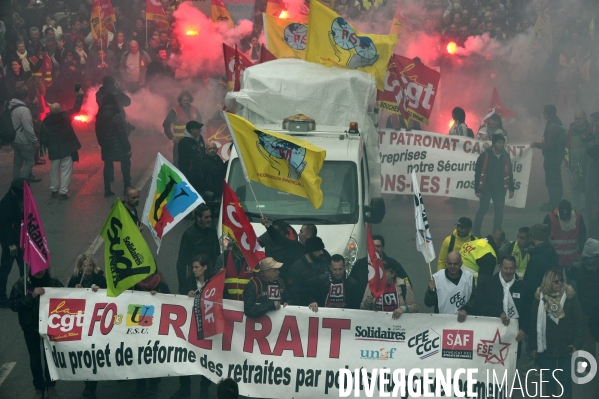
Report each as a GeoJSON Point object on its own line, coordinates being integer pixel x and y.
{"type": "Point", "coordinates": [334, 98]}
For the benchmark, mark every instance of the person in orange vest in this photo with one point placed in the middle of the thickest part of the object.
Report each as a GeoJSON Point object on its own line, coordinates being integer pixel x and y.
{"type": "Point", "coordinates": [568, 232]}
{"type": "Point", "coordinates": [41, 65]}
{"type": "Point", "coordinates": [178, 117]}
{"type": "Point", "coordinates": [237, 271]}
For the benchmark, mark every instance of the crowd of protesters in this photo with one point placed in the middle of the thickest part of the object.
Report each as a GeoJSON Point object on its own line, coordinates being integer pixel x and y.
{"type": "Point", "coordinates": [549, 274]}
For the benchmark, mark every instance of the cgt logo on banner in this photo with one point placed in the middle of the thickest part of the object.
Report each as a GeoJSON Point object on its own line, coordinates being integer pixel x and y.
{"type": "Point", "coordinates": [65, 319]}
{"type": "Point", "coordinates": [294, 352]}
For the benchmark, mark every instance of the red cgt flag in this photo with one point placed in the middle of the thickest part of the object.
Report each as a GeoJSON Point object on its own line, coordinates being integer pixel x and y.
{"type": "Point", "coordinates": [237, 226]}
{"type": "Point", "coordinates": [376, 270]}
{"type": "Point", "coordinates": [208, 307]}
{"type": "Point", "coordinates": [235, 64]}
{"type": "Point", "coordinates": [410, 89]}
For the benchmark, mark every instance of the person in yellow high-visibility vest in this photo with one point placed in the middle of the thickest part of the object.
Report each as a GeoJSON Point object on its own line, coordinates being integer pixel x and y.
{"type": "Point", "coordinates": [178, 117]}
{"type": "Point", "coordinates": [479, 257]}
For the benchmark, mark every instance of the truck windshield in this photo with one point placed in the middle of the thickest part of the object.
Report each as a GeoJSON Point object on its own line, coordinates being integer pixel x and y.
{"type": "Point", "coordinates": [339, 187]}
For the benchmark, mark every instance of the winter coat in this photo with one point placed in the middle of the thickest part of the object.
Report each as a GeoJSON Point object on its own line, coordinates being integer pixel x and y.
{"type": "Point", "coordinates": [22, 122]}
{"type": "Point", "coordinates": [569, 331]}
{"type": "Point", "coordinates": [144, 61]}
{"type": "Point", "coordinates": [57, 133]}
{"type": "Point", "coordinates": [98, 279]}
{"type": "Point", "coordinates": [488, 300]}
{"type": "Point", "coordinates": [111, 131]}
{"type": "Point", "coordinates": [493, 174]}
{"type": "Point", "coordinates": [304, 277]}
{"type": "Point", "coordinates": [542, 258]}
{"type": "Point", "coordinates": [190, 159]}
{"type": "Point", "coordinates": [255, 301]}
{"type": "Point", "coordinates": [196, 241]}
{"type": "Point", "coordinates": [27, 306]}
{"type": "Point", "coordinates": [404, 294]}
{"type": "Point", "coordinates": [551, 147]}
{"type": "Point", "coordinates": [11, 216]}
{"type": "Point", "coordinates": [123, 99]}
{"type": "Point", "coordinates": [213, 174]}
{"type": "Point", "coordinates": [360, 272]}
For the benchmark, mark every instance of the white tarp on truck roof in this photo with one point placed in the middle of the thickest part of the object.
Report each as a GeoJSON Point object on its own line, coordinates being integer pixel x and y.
{"type": "Point", "coordinates": [275, 90]}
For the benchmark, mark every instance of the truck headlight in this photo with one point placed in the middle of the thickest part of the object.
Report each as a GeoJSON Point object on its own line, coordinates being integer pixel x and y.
{"type": "Point", "coordinates": [350, 253]}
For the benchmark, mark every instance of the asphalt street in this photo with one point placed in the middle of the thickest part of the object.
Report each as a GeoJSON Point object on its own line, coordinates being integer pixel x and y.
{"type": "Point", "coordinates": [72, 226]}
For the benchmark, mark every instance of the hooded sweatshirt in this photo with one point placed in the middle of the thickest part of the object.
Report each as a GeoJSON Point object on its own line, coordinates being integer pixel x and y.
{"type": "Point", "coordinates": [22, 122]}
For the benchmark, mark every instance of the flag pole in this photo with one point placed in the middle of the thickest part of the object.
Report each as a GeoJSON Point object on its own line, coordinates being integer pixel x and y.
{"type": "Point", "coordinates": [25, 278]}
{"type": "Point", "coordinates": [255, 199]}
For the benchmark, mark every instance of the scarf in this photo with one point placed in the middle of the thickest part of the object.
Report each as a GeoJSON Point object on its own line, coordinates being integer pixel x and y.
{"type": "Point", "coordinates": [24, 61]}
{"type": "Point", "coordinates": [82, 55]}
{"type": "Point", "coordinates": [509, 307]}
{"type": "Point", "coordinates": [568, 225]}
{"type": "Point", "coordinates": [554, 306]}
{"type": "Point", "coordinates": [150, 283]}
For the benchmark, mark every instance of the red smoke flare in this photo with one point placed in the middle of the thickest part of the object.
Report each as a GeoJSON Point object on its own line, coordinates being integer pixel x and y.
{"type": "Point", "coordinates": [452, 48]}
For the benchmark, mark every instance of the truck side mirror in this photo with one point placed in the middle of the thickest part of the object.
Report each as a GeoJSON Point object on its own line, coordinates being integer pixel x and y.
{"type": "Point", "coordinates": [375, 212]}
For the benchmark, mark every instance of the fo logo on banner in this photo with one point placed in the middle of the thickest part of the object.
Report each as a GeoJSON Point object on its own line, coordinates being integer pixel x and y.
{"type": "Point", "coordinates": [65, 319]}
{"type": "Point", "coordinates": [140, 315]}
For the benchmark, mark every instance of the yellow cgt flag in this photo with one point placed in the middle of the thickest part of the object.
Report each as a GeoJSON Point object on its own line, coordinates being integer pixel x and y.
{"type": "Point", "coordinates": [285, 38]}
{"type": "Point", "coordinates": [127, 256]}
{"type": "Point", "coordinates": [334, 42]}
{"type": "Point", "coordinates": [278, 160]}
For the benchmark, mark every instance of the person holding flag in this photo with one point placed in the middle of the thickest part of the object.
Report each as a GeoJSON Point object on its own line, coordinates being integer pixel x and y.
{"type": "Point", "coordinates": [11, 217]}
{"type": "Point", "coordinates": [25, 300]}
{"type": "Point", "coordinates": [102, 18]}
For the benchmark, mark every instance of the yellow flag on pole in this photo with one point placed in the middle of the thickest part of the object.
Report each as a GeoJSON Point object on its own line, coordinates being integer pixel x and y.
{"type": "Point", "coordinates": [332, 41]}
{"type": "Point", "coordinates": [220, 13]}
{"type": "Point", "coordinates": [285, 38]}
{"type": "Point", "coordinates": [126, 253]}
{"type": "Point", "coordinates": [277, 160]}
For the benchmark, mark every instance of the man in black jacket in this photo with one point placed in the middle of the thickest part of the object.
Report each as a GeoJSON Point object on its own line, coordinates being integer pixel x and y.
{"type": "Point", "coordinates": [492, 178]}
{"type": "Point", "coordinates": [11, 217]}
{"type": "Point", "coordinates": [360, 270]}
{"type": "Point", "coordinates": [339, 291]}
{"type": "Point", "coordinates": [191, 154]}
{"type": "Point", "coordinates": [199, 239]}
{"type": "Point", "coordinates": [552, 147]}
{"type": "Point", "coordinates": [542, 258]}
{"type": "Point", "coordinates": [265, 292]}
{"type": "Point", "coordinates": [501, 296]}
{"type": "Point", "coordinates": [58, 136]}
{"type": "Point", "coordinates": [26, 302]}
{"type": "Point", "coordinates": [307, 273]}
{"type": "Point", "coordinates": [213, 171]}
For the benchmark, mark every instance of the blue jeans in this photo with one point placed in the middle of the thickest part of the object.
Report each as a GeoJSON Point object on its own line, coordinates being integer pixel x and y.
{"type": "Point", "coordinates": [564, 376]}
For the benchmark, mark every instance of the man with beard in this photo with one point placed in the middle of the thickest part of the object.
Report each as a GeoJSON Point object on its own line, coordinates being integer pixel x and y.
{"type": "Point", "coordinates": [131, 202]}
{"type": "Point", "coordinates": [576, 155]}
{"type": "Point", "coordinates": [307, 273]}
{"type": "Point", "coordinates": [454, 242]}
{"type": "Point", "coordinates": [339, 291]}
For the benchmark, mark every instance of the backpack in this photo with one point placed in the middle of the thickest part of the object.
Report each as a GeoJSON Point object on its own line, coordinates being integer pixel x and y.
{"type": "Point", "coordinates": [7, 129]}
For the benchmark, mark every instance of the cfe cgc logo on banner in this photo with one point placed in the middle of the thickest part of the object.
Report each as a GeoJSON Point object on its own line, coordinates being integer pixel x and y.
{"type": "Point", "coordinates": [426, 343]}
{"type": "Point", "coordinates": [65, 319]}
{"type": "Point", "coordinates": [457, 344]}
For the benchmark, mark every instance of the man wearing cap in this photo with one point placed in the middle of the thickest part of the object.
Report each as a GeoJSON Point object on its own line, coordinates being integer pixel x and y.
{"type": "Point", "coordinates": [542, 258]}
{"type": "Point", "coordinates": [265, 292]}
{"type": "Point", "coordinates": [461, 235]}
{"type": "Point", "coordinates": [492, 179]}
{"type": "Point", "coordinates": [191, 152]}
{"type": "Point", "coordinates": [11, 217]}
{"type": "Point", "coordinates": [568, 232]}
{"type": "Point", "coordinates": [451, 288]}
{"type": "Point", "coordinates": [307, 272]}
{"type": "Point", "coordinates": [339, 291]}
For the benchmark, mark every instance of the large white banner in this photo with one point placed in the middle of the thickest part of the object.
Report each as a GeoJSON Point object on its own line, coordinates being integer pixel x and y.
{"type": "Point", "coordinates": [444, 164]}
{"type": "Point", "coordinates": [289, 353]}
